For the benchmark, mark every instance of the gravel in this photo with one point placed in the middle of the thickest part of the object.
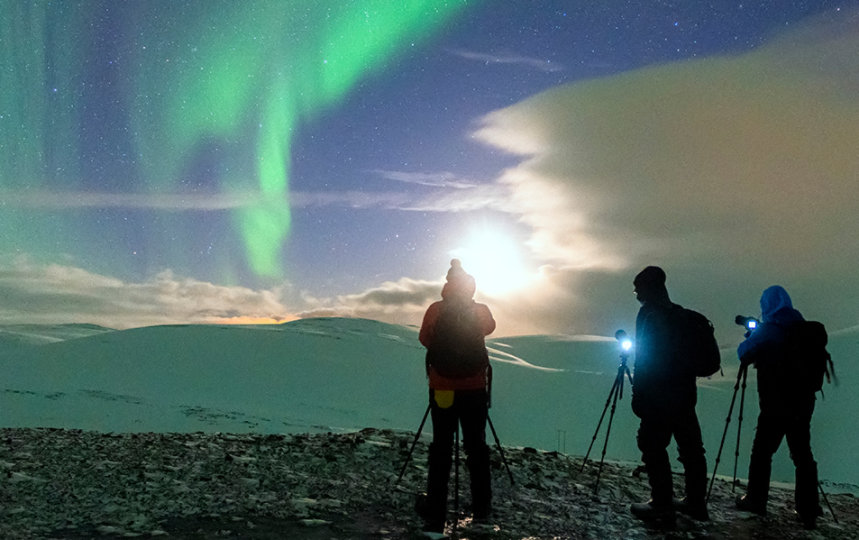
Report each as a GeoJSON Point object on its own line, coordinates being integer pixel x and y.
{"type": "Point", "coordinates": [79, 484]}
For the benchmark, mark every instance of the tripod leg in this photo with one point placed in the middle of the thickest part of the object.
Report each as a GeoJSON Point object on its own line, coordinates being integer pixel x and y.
{"type": "Point", "coordinates": [414, 442]}
{"type": "Point", "coordinates": [739, 428]}
{"type": "Point", "coordinates": [826, 500]}
{"type": "Point", "coordinates": [725, 433]}
{"type": "Point", "coordinates": [500, 449]}
{"type": "Point", "coordinates": [456, 476]}
{"type": "Point", "coordinates": [618, 384]}
{"type": "Point", "coordinates": [599, 424]}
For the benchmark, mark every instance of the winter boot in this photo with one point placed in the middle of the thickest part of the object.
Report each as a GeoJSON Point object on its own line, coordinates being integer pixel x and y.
{"type": "Point", "coordinates": [809, 518]}
{"type": "Point", "coordinates": [481, 490]}
{"type": "Point", "coordinates": [434, 510]}
{"type": "Point", "coordinates": [696, 510]}
{"type": "Point", "coordinates": [747, 504]}
{"type": "Point", "coordinates": [653, 511]}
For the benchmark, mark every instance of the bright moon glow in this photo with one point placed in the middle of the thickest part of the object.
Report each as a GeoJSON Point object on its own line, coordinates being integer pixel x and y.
{"type": "Point", "coordinates": [495, 261]}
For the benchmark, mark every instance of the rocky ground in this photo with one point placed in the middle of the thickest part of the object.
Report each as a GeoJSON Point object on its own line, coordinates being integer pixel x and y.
{"type": "Point", "coordinates": [74, 484]}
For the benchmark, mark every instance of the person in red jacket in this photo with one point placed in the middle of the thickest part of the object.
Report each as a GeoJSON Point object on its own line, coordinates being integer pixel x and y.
{"type": "Point", "coordinates": [458, 370]}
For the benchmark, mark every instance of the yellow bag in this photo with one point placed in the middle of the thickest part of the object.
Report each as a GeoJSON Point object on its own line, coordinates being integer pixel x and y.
{"type": "Point", "coordinates": [443, 398]}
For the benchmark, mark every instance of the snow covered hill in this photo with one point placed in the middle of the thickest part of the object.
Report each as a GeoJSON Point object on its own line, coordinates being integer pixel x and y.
{"type": "Point", "coordinates": [340, 375]}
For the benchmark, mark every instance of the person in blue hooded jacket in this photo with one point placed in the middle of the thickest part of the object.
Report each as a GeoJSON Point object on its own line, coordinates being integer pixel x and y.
{"type": "Point", "coordinates": [786, 406]}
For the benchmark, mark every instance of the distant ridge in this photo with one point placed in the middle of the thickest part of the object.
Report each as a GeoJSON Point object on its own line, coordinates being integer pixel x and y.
{"type": "Point", "coordinates": [38, 334]}
{"type": "Point", "coordinates": [340, 374]}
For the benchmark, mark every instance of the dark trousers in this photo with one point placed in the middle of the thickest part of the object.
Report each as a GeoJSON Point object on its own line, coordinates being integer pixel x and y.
{"type": "Point", "coordinates": [795, 426]}
{"type": "Point", "coordinates": [654, 436]}
{"type": "Point", "coordinates": [469, 410]}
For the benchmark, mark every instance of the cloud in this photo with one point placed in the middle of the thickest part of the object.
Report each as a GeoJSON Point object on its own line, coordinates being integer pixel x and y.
{"type": "Point", "coordinates": [451, 194]}
{"type": "Point", "coordinates": [732, 172]}
{"type": "Point", "coordinates": [445, 192]}
{"type": "Point", "coordinates": [69, 200]}
{"type": "Point", "coordinates": [554, 305]}
{"type": "Point", "coordinates": [686, 154]}
{"type": "Point", "coordinates": [440, 179]}
{"type": "Point", "coordinates": [486, 196]}
{"type": "Point", "coordinates": [403, 292]}
{"type": "Point", "coordinates": [510, 59]}
{"type": "Point", "coordinates": [38, 293]}
{"type": "Point", "coordinates": [401, 302]}
{"type": "Point", "coordinates": [350, 199]}
{"type": "Point", "coordinates": [55, 294]}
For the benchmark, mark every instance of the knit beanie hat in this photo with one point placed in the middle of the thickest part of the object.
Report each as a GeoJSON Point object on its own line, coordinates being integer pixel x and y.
{"type": "Point", "coordinates": [456, 272]}
{"type": "Point", "coordinates": [651, 277]}
{"type": "Point", "coordinates": [459, 282]}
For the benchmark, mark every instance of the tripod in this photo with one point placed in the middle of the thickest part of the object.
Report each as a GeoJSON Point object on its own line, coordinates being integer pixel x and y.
{"type": "Point", "coordinates": [613, 395]}
{"type": "Point", "coordinates": [414, 442]}
{"type": "Point", "coordinates": [418, 435]}
{"type": "Point", "coordinates": [741, 377]}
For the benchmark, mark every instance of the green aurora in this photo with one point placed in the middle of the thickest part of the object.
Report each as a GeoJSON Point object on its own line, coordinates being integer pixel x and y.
{"type": "Point", "coordinates": [231, 103]}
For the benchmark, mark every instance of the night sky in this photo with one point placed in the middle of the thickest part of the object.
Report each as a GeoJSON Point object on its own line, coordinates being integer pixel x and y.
{"type": "Point", "coordinates": [210, 161]}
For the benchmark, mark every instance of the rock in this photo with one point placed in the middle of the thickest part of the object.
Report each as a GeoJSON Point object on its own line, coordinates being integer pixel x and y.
{"type": "Point", "coordinates": [338, 485]}
{"type": "Point", "coordinates": [314, 522]}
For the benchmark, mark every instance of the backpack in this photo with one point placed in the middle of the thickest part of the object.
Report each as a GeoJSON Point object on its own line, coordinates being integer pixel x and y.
{"type": "Point", "coordinates": [458, 349]}
{"type": "Point", "coordinates": [698, 342]}
{"type": "Point", "coordinates": [811, 361]}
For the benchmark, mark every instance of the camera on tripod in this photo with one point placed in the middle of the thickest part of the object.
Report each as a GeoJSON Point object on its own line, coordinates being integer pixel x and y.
{"type": "Point", "coordinates": [750, 323]}
{"type": "Point", "coordinates": [625, 341]}
{"type": "Point", "coordinates": [614, 394]}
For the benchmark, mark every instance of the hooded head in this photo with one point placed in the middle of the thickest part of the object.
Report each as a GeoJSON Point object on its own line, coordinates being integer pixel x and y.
{"type": "Point", "coordinates": [459, 284]}
{"type": "Point", "coordinates": [650, 285]}
{"type": "Point", "coordinates": [776, 305]}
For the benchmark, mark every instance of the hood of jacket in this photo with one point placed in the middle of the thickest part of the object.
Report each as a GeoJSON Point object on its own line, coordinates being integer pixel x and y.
{"type": "Point", "coordinates": [777, 307]}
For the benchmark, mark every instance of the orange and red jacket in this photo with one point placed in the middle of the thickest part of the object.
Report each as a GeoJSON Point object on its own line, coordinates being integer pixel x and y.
{"type": "Point", "coordinates": [427, 334]}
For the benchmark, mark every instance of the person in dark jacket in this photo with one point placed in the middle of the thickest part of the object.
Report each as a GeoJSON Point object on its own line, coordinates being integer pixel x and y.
{"type": "Point", "coordinates": [786, 406]}
{"type": "Point", "coordinates": [457, 397]}
{"type": "Point", "coordinates": [664, 395]}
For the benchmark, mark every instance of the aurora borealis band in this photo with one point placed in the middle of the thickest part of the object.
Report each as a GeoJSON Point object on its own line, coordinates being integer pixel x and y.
{"type": "Point", "coordinates": [140, 96]}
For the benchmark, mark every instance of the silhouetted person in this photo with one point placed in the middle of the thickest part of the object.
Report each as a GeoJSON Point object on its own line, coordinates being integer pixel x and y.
{"type": "Point", "coordinates": [457, 364]}
{"type": "Point", "coordinates": [664, 394]}
{"type": "Point", "coordinates": [786, 406]}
